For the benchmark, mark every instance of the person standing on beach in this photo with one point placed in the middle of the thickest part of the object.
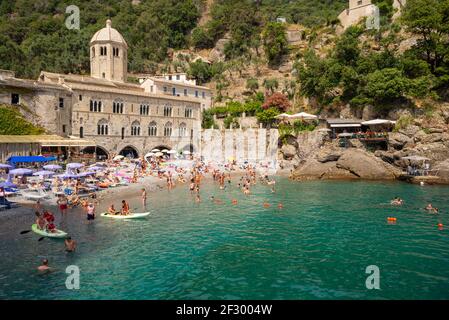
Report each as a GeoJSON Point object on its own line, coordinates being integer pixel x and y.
{"type": "Point", "coordinates": [144, 198]}
{"type": "Point", "coordinates": [62, 203]}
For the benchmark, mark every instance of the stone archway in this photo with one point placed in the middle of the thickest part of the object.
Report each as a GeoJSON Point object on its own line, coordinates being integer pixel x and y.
{"type": "Point", "coordinates": [129, 151]}
{"type": "Point", "coordinates": [101, 153]}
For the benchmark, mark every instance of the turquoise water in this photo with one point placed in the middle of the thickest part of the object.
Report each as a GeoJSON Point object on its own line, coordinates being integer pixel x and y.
{"type": "Point", "coordinates": [316, 247]}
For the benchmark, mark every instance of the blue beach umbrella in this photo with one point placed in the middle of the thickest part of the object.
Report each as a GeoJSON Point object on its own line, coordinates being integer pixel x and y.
{"type": "Point", "coordinates": [7, 184]}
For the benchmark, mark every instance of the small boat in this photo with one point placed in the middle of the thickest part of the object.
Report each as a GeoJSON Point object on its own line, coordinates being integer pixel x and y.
{"type": "Point", "coordinates": [129, 216]}
{"type": "Point", "coordinates": [57, 234]}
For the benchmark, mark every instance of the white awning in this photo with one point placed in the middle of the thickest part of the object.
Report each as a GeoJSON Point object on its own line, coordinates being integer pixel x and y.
{"type": "Point", "coordinates": [347, 125]}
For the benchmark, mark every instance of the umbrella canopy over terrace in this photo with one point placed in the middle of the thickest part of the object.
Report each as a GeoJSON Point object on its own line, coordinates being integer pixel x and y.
{"type": "Point", "coordinates": [377, 122]}
{"type": "Point", "coordinates": [283, 116]}
{"type": "Point", "coordinates": [303, 116]}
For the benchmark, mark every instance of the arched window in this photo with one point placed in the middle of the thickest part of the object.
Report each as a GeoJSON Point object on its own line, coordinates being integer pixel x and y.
{"type": "Point", "coordinates": [182, 130]}
{"type": "Point", "coordinates": [81, 132]}
{"type": "Point", "coordinates": [167, 111]}
{"type": "Point", "coordinates": [152, 129]}
{"type": "Point", "coordinates": [103, 127]}
{"type": "Point", "coordinates": [188, 112]}
{"type": "Point", "coordinates": [135, 128]}
{"type": "Point", "coordinates": [168, 129]}
{"type": "Point", "coordinates": [117, 107]}
{"type": "Point", "coordinates": [144, 109]}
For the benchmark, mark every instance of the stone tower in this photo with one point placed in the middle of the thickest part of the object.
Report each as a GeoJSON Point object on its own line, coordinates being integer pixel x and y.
{"type": "Point", "coordinates": [358, 3]}
{"type": "Point", "coordinates": [108, 55]}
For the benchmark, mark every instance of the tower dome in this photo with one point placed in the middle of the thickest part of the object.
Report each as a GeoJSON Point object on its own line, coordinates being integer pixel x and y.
{"type": "Point", "coordinates": [108, 34]}
{"type": "Point", "coordinates": [108, 54]}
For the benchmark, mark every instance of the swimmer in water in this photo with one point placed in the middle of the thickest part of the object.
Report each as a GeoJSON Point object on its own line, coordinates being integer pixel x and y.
{"type": "Point", "coordinates": [44, 268]}
{"type": "Point", "coordinates": [70, 244]}
{"type": "Point", "coordinates": [280, 206]}
{"type": "Point", "coordinates": [397, 201]}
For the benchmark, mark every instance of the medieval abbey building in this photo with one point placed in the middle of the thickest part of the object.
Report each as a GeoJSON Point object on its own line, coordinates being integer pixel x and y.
{"type": "Point", "coordinates": [121, 117]}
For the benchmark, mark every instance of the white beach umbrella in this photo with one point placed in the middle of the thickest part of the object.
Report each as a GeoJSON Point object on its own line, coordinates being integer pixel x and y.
{"type": "Point", "coordinates": [186, 152]}
{"type": "Point", "coordinates": [159, 154]}
{"type": "Point", "coordinates": [155, 150]}
{"type": "Point", "coordinates": [149, 154]}
{"type": "Point", "coordinates": [377, 122]}
{"type": "Point", "coordinates": [118, 158]}
{"type": "Point", "coordinates": [303, 116]}
{"type": "Point", "coordinates": [283, 116]}
{"type": "Point", "coordinates": [165, 150]}
{"type": "Point", "coordinates": [172, 152]}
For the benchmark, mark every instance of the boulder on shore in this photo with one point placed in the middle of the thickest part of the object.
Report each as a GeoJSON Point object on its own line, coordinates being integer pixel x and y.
{"type": "Point", "coordinates": [352, 164]}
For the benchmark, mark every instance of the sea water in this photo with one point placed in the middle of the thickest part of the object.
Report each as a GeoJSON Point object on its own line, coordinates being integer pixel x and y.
{"type": "Point", "coordinates": [317, 246]}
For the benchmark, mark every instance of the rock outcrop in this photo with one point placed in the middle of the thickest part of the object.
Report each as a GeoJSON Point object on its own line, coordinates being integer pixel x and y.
{"type": "Point", "coordinates": [345, 164]}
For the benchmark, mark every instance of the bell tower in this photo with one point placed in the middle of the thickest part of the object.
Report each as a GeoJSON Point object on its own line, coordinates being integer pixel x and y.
{"type": "Point", "coordinates": [109, 55]}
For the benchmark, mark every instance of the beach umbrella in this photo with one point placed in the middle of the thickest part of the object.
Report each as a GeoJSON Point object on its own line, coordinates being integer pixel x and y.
{"type": "Point", "coordinates": [283, 116]}
{"type": "Point", "coordinates": [96, 168]}
{"type": "Point", "coordinates": [303, 116]}
{"type": "Point", "coordinates": [86, 174]}
{"type": "Point", "coordinates": [155, 150]}
{"type": "Point", "coordinates": [21, 172]}
{"type": "Point", "coordinates": [43, 173]}
{"type": "Point", "coordinates": [67, 176]}
{"type": "Point", "coordinates": [165, 150]}
{"type": "Point", "coordinates": [159, 154]}
{"type": "Point", "coordinates": [7, 184]}
{"type": "Point", "coordinates": [75, 165]}
{"type": "Point", "coordinates": [149, 154]}
{"type": "Point", "coordinates": [5, 166]}
{"type": "Point", "coordinates": [377, 122]}
{"type": "Point", "coordinates": [118, 158]}
{"type": "Point", "coordinates": [52, 167]}
{"type": "Point", "coordinates": [172, 152]}
{"type": "Point", "coordinates": [186, 152]}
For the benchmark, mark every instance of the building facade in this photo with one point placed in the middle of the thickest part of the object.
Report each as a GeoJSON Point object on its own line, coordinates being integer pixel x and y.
{"type": "Point", "coordinates": [359, 9]}
{"type": "Point", "coordinates": [121, 117]}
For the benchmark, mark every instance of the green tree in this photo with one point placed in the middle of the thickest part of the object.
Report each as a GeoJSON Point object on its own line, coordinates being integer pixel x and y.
{"type": "Point", "coordinates": [429, 20]}
{"type": "Point", "coordinates": [275, 42]}
{"type": "Point", "coordinates": [252, 85]}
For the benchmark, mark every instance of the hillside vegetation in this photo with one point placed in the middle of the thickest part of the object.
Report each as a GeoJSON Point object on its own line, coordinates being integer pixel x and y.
{"type": "Point", "coordinates": [33, 36]}
{"type": "Point", "coordinates": [12, 122]}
